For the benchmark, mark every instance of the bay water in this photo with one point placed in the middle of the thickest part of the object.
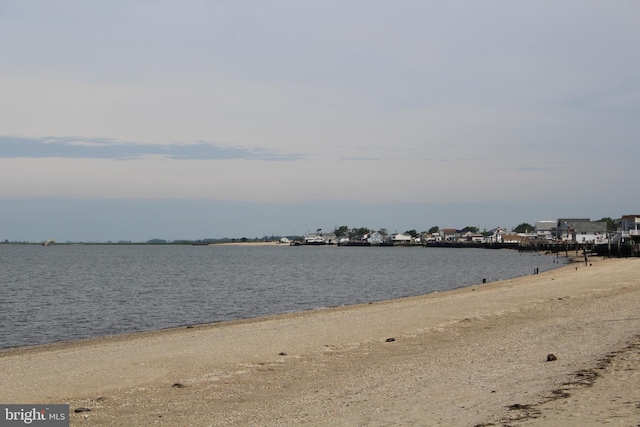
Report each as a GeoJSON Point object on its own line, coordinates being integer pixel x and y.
{"type": "Point", "coordinates": [68, 292]}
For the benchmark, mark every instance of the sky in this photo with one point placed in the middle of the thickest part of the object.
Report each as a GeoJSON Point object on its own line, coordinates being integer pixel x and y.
{"type": "Point", "coordinates": [135, 120]}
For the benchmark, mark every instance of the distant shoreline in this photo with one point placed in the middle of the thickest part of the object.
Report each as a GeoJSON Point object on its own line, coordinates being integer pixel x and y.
{"type": "Point", "coordinates": [249, 244]}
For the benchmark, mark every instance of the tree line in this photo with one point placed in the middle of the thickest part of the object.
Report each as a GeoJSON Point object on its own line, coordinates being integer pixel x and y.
{"type": "Point", "coordinates": [525, 227]}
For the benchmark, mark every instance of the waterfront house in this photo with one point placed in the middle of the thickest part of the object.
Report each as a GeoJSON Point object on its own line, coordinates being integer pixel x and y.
{"type": "Point", "coordinates": [472, 237]}
{"type": "Point", "coordinates": [320, 239]}
{"type": "Point", "coordinates": [628, 227]}
{"type": "Point", "coordinates": [314, 239]}
{"type": "Point", "coordinates": [514, 239]}
{"type": "Point", "coordinates": [373, 238]}
{"type": "Point", "coordinates": [434, 237]}
{"type": "Point", "coordinates": [450, 234]}
{"type": "Point", "coordinates": [545, 230]}
{"type": "Point", "coordinates": [400, 239]}
{"type": "Point", "coordinates": [581, 230]}
{"type": "Point", "coordinates": [495, 235]}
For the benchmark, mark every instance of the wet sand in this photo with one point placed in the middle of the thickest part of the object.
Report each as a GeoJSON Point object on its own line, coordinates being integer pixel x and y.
{"type": "Point", "coordinates": [468, 357]}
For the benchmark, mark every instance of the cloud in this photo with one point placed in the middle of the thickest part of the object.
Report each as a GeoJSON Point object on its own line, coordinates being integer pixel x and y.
{"type": "Point", "coordinates": [101, 148]}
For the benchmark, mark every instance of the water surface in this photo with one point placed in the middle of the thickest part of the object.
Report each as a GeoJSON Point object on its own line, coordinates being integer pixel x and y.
{"type": "Point", "coordinates": [67, 292]}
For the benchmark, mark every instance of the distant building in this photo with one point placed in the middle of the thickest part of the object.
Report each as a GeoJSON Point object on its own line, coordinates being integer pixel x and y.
{"type": "Point", "coordinates": [450, 235]}
{"type": "Point", "coordinates": [581, 230]}
{"type": "Point", "coordinates": [495, 235]}
{"type": "Point", "coordinates": [373, 238]}
{"type": "Point", "coordinates": [320, 239]}
{"type": "Point", "coordinates": [472, 237]}
{"type": "Point", "coordinates": [545, 229]}
{"type": "Point", "coordinates": [400, 239]}
{"type": "Point", "coordinates": [629, 227]}
{"type": "Point", "coordinates": [514, 238]}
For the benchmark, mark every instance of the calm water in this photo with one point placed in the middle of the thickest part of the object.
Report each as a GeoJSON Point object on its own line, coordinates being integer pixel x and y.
{"type": "Point", "coordinates": [62, 293]}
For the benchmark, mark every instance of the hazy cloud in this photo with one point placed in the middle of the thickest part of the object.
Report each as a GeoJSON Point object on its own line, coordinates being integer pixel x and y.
{"type": "Point", "coordinates": [100, 148]}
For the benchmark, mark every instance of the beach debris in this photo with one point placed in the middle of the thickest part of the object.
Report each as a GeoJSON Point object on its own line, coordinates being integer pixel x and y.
{"type": "Point", "coordinates": [522, 412]}
{"type": "Point", "coordinates": [178, 385]}
{"type": "Point", "coordinates": [390, 340]}
{"type": "Point", "coordinates": [551, 357]}
{"type": "Point", "coordinates": [79, 410]}
{"type": "Point", "coordinates": [518, 407]}
{"type": "Point", "coordinates": [282, 353]}
{"type": "Point", "coordinates": [585, 377]}
{"type": "Point", "coordinates": [559, 394]}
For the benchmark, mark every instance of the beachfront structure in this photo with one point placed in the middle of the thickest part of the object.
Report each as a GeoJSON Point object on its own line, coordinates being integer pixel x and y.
{"type": "Point", "coordinates": [450, 235]}
{"type": "Point", "coordinates": [515, 239]}
{"type": "Point", "coordinates": [472, 237]}
{"type": "Point", "coordinates": [495, 235]}
{"type": "Point", "coordinates": [581, 230]}
{"type": "Point", "coordinates": [400, 239]}
{"type": "Point", "coordinates": [434, 237]}
{"type": "Point", "coordinates": [629, 227]}
{"type": "Point", "coordinates": [314, 239]}
{"type": "Point", "coordinates": [320, 239]}
{"type": "Point", "coordinates": [373, 238]}
{"type": "Point", "coordinates": [545, 229]}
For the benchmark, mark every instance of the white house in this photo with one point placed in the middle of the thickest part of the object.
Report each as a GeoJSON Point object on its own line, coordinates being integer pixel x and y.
{"type": "Point", "coordinates": [314, 239]}
{"type": "Point", "coordinates": [470, 236]}
{"type": "Point", "coordinates": [400, 239]}
{"type": "Point", "coordinates": [373, 238]}
{"type": "Point", "coordinates": [495, 235]}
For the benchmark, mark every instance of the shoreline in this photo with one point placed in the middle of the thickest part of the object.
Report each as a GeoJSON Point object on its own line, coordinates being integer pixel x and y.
{"type": "Point", "coordinates": [457, 358]}
{"type": "Point", "coordinates": [249, 244]}
{"type": "Point", "coordinates": [61, 339]}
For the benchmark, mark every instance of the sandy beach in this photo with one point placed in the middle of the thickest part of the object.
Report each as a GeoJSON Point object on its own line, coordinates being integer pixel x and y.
{"type": "Point", "coordinates": [476, 356]}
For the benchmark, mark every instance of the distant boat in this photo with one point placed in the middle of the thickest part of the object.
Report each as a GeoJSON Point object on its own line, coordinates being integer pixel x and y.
{"type": "Point", "coordinates": [49, 243]}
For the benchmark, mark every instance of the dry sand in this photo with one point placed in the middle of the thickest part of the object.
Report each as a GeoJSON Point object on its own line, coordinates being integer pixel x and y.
{"type": "Point", "coordinates": [469, 357]}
